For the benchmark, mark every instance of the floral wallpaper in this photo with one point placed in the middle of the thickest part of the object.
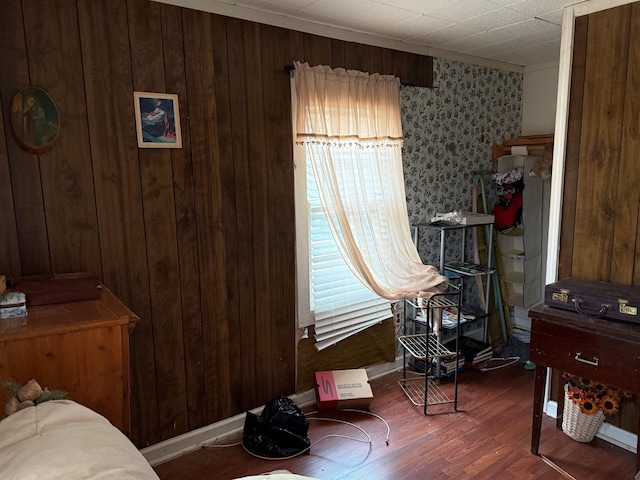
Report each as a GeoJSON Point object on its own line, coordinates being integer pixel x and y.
{"type": "Point", "coordinates": [448, 134]}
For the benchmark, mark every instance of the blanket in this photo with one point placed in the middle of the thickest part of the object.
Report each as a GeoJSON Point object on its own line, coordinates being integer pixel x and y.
{"type": "Point", "coordinates": [62, 439]}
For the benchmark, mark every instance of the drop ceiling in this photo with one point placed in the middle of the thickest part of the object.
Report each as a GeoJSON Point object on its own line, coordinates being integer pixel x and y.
{"type": "Point", "coordinates": [520, 33]}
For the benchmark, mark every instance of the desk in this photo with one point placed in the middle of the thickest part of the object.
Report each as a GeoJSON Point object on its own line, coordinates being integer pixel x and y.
{"type": "Point", "coordinates": [79, 347]}
{"type": "Point", "coordinates": [558, 336]}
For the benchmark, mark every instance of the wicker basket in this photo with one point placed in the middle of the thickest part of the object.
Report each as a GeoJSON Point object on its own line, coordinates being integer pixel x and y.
{"type": "Point", "coordinates": [578, 425]}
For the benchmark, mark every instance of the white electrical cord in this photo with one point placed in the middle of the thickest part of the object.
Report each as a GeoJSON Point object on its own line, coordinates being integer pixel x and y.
{"type": "Point", "coordinates": [386, 440]}
{"type": "Point", "coordinates": [498, 362]}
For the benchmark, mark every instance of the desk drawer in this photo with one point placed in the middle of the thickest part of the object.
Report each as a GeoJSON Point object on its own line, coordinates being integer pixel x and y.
{"type": "Point", "coordinates": [611, 360]}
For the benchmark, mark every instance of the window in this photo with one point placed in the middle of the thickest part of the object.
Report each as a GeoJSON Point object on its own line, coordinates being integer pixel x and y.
{"type": "Point", "coordinates": [351, 212]}
{"type": "Point", "coordinates": [332, 298]}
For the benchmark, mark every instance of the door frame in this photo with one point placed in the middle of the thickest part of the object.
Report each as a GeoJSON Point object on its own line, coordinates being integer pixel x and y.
{"type": "Point", "coordinates": [613, 434]}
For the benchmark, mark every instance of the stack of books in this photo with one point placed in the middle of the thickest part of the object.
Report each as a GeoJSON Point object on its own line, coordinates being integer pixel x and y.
{"type": "Point", "coordinates": [450, 315]}
{"type": "Point", "coordinates": [466, 268]}
{"type": "Point", "coordinates": [448, 365]}
{"type": "Point", "coordinates": [475, 352]}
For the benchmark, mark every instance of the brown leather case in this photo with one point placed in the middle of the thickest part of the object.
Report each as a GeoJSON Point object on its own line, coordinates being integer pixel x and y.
{"type": "Point", "coordinates": [595, 299]}
{"type": "Point", "coordinates": [59, 288]}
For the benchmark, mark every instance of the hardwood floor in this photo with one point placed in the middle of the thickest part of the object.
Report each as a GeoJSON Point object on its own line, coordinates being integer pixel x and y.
{"type": "Point", "coordinates": [488, 438]}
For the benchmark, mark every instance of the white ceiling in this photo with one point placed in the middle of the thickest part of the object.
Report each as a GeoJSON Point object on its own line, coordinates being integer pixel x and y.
{"type": "Point", "coordinates": [517, 32]}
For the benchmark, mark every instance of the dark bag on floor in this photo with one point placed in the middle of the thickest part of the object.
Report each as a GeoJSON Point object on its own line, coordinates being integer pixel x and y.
{"type": "Point", "coordinates": [279, 431]}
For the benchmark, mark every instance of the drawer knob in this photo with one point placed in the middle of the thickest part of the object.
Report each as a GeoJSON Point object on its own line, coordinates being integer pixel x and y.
{"type": "Point", "coordinates": [593, 362]}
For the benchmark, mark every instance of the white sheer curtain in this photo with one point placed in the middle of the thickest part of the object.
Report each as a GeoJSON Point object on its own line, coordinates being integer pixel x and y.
{"type": "Point", "coordinates": [349, 122]}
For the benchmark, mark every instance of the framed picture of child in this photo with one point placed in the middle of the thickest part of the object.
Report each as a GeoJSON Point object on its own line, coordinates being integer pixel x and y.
{"type": "Point", "coordinates": [157, 120]}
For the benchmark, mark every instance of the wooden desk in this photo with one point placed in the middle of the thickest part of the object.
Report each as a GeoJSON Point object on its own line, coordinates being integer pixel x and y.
{"type": "Point", "coordinates": [559, 336]}
{"type": "Point", "coordinates": [79, 347]}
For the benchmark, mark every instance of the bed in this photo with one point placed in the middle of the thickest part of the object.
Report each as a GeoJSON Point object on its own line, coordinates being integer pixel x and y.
{"type": "Point", "coordinates": [61, 439]}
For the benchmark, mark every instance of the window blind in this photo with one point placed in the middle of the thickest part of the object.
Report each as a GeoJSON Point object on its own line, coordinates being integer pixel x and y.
{"type": "Point", "coordinates": [342, 305]}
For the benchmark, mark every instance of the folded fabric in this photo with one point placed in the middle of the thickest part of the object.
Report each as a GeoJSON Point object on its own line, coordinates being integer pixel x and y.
{"type": "Point", "coordinates": [508, 176]}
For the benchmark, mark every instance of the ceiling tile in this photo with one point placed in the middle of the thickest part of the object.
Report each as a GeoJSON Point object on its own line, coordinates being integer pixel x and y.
{"type": "Point", "coordinates": [523, 32]}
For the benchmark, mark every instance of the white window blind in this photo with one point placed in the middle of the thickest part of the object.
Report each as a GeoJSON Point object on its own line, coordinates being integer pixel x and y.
{"type": "Point", "coordinates": [341, 304]}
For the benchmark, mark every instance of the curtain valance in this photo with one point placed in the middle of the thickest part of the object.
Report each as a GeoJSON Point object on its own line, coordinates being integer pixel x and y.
{"type": "Point", "coordinates": [346, 106]}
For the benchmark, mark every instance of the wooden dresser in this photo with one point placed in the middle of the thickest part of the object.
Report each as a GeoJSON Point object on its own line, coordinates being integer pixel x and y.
{"type": "Point", "coordinates": [79, 347]}
{"type": "Point", "coordinates": [602, 350]}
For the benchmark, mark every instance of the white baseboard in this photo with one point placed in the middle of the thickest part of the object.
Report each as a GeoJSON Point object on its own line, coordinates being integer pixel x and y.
{"type": "Point", "coordinates": [177, 446]}
{"type": "Point", "coordinates": [610, 433]}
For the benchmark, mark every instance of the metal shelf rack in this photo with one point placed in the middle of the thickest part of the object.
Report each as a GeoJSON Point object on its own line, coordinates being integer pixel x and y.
{"type": "Point", "coordinates": [427, 346]}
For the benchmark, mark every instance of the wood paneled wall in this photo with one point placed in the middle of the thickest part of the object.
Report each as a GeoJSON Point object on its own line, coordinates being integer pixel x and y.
{"type": "Point", "coordinates": [198, 241]}
{"type": "Point", "coordinates": [600, 231]}
{"type": "Point", "coordinates": [600, 235]}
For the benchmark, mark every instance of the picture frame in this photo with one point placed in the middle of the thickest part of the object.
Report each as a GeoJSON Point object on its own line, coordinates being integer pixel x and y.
{"type": "Point", "coordinates": [157, 120]}
{"type": "Point", "coordinates": [35, 121]}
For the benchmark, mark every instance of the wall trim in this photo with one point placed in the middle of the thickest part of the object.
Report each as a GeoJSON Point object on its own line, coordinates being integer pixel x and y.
{"type": "Point", "coordinates": [174, 447]}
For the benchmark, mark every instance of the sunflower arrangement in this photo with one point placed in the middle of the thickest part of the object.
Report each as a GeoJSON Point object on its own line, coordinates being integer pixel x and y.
{"type": "Point", "coordinates": [591, 396]}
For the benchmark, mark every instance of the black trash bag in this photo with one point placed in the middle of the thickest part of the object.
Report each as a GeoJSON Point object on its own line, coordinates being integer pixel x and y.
{"type": "Point", "coordinates": [279, 431]}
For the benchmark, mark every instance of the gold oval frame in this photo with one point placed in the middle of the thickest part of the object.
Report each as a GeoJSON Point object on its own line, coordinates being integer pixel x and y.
{"type": "Point", "coordinates": [35, 120]}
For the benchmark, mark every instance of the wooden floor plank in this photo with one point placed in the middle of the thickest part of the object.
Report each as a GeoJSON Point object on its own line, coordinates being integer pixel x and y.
{"type": "Point", "coordinates": [488, 438]}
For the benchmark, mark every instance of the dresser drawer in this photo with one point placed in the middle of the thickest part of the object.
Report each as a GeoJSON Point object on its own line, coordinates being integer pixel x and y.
{"type": "Point", "coordinates": [592, 348]}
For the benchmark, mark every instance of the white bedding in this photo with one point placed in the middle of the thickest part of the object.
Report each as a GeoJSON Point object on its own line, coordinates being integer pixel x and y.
{"type": "Point", "coordinates": [277, 475]}
{"type": "Point", "coordinates": [61, 439]}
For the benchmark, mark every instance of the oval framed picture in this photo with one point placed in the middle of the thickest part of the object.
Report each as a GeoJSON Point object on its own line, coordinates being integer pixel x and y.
{"type": "Point", "coordinates": [34, 120]}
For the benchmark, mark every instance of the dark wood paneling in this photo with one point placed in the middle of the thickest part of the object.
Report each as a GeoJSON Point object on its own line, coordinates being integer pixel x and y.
{"type": "Point", "coordinates": [572, 154]}
{"type": "Point", "coordinates": [108, 74]}
{"type": "Point", "coordinates": [9, 253]}
{"type": "Point", "coordinates": [234, 292]}
{"type": "Point", "coordinates": [317, 50]}
{"type": "Point", "coordinates": [380, 60]}
{"type": "Point", "coordinates": [337, 53]}
{"type": "Point", "coordinates": [356, 56]}
{"type": "Point", "coordinates": [258, 185]}
{"type": "Point", "coordinates": [247, 119]}
{"type": "Point", "coordinates": [604, 87]}
{"type": "Point", "coordinates": [279, 156]}
{"type": "Point", "coordinates": [67, 183]}
{"type": "Point", "coordinates": [424, 71]}
{"type": "Point", "coordinates": [26, 185]}
{"type": "Point", "coordinates": [600, 217]}
{"type": "Point", "coordinates": [296, 46]}
{"type": "Point", "coordinates": [156, 179]}
{"type": "Point", "coordinates": [205, 153]}
{"type": "Point", "coordinates": [199, 241]}
{"type": "Point", "coordinates": [626, 236]}
{"type": "Point", "coordinates": [185, 217]}
{"type": "Point", "coordinates": [413, 69]}
{"type": "Point", "coordinates": [401, 65]}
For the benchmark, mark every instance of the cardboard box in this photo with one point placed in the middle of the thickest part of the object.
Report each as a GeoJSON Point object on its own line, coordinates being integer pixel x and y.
{"type": "Point", "coordinates": [343, 389]}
